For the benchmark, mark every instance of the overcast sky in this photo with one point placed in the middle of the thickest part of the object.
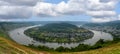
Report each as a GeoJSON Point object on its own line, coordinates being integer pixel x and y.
{"type": "Point", "coordinates": [60, 10]}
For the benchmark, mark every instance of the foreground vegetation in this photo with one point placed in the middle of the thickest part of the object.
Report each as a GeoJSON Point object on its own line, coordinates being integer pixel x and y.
{"type": "Point", "coordinates": [81, 47]}
{"type": "Point", "coordinates": [6, 48]}
{"type": "Point", "coordinates": [10, 47]}
{"type": "Point", "coordinates": [111, 49]}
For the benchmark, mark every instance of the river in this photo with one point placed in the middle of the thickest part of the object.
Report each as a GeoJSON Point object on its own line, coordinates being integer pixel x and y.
{"type": "Point", "coordinates": [19, 36]}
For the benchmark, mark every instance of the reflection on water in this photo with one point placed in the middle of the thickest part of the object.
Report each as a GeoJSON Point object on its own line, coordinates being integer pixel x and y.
{"type": "Point", "coordinates": [19, 36]}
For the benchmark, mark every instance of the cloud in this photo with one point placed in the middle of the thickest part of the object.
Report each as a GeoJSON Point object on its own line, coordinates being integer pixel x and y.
{"type": "Point", "coordinates": [3, 3]}
{"type": "Point", "coordinates": [72, 7]}
{"type": "Point", "coordinates": [118, 17]}
{"type": "Point", "coordinates": [14, 12]}
{"type": "Point", "coordinates": [100, 10]}
{"type": "Point", "coordinates": [21, 2]}
{"type": "Point", "coordinates": [44, 9]}
{"type": "Point", "coordinates": [16, 9]}
{"type": "Point", "coordinates": [97, 5]}
{"type": "Point", "coordinates": [100, 14]}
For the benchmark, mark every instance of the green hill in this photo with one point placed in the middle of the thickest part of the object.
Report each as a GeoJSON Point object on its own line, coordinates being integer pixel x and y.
{"type": "Point", "coordinates": [59, 32]}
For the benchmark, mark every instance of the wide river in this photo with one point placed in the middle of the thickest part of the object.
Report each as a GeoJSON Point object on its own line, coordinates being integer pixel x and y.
{"type": "Point", "coordinates": [19, 36]}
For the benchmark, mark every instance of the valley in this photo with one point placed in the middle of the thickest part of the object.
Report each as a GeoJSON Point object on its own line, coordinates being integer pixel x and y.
{"type": "Point", "coordinates": [30, 41]}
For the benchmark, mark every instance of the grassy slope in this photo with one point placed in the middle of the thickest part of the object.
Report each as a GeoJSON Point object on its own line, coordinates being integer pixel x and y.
{"type": "Point", "coordinates": [10, 47]}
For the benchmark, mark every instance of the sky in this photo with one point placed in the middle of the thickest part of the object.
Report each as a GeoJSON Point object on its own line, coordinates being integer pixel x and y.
{"type": "Point", "coordinates": [60, 10]}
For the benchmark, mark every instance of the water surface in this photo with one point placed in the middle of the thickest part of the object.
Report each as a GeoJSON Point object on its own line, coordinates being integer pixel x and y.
{"type": "Point", "coordinates": [19, 36]}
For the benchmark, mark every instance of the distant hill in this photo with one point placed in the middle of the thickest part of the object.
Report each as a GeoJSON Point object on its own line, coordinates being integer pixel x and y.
{"type": "Point", "coordinates": [58, 26]}
{"type": "Point", "coordinates": [71, 22]}
{"type": "Point", "coordinates": [112, 24]}
{"type": "Point", "coordinates": [112, 27]}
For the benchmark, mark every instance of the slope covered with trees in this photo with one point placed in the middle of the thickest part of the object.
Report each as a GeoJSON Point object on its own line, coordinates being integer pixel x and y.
{"type": "Point", "coordinates": [59, 32]}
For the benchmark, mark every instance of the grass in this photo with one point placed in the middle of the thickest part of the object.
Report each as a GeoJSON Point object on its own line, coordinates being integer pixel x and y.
{"type": "Point", "coordinates": [10, 47]}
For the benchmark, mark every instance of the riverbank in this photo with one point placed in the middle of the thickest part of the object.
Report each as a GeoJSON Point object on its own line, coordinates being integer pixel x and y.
{"type": "Point", "coordinates": [19, 36]}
